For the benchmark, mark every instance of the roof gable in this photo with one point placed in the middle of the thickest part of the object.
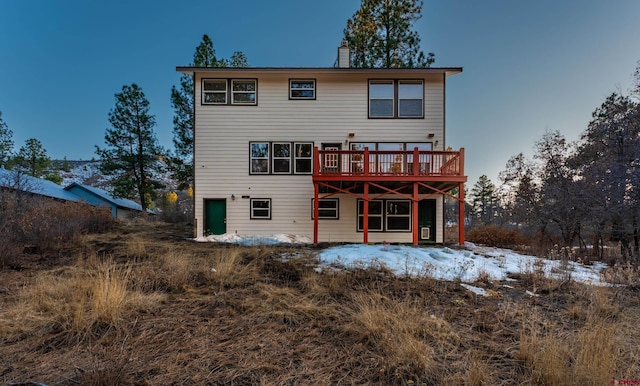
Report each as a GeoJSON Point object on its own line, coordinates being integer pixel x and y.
{"type": "Point", "coordinates": [104, 195]}
{"type": "Point", "coordinates": [20, 181]}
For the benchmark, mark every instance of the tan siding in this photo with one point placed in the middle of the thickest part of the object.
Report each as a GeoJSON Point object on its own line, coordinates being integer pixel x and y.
{"type": "Point", "coordinates": [222, 150]}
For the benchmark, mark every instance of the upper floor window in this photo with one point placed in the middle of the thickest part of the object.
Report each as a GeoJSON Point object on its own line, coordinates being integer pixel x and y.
{"type": "Point", "coordinates": [229, 91]}
{"type": "Point", "coordinates": [214, 91]}
{"type": "Point", "coordinates": [259, 155]}
{"type": "Point", "coordinates": [280, 157]}
{"type": "Point", "coordinates": [243, 91]}
{"type": "Point", "coordinates": [396, 99]}
{"type": "Point", "coordinates": [302, 89]}
{"type": "Point", "coordinates": [410, 94]}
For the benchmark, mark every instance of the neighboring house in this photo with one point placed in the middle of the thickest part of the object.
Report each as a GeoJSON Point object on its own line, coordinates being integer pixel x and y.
{"type": "Point", "coordinates": [120, 207]}
{"type": "Point", "coordinates": [338, 154]}
{"type": "Point", "coordinates": [13, 180]}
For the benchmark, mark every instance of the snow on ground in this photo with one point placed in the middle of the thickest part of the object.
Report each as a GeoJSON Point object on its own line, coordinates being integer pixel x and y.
{"type": "Point", "coordinates": [465, 264]}
{"type": "Point", "coordinates": [256, 240]}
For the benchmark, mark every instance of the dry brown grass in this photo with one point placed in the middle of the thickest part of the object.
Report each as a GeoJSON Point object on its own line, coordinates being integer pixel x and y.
{"type": "Point", "coordinates": [409, 336]}
{"type": "Point", "coordinates": [179, 312]}
{"type": "Point", "coordinates": [590, 355]}
{"type": "Point", "coordinates": [77, 303]}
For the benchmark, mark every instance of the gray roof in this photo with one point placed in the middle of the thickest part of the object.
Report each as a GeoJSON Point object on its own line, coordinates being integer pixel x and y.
{"type": "Point", "coordinates": [20, 181]}
{"type": "Point", "coordinates": [119, 202]}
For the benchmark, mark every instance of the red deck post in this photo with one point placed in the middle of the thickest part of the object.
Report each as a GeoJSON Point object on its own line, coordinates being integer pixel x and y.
{"type": "Point", "coordinates": [365, 219]}
{"type": "Point", "coordinates": [316, 161]}
{"type": "Point", "coordinates": [365, 163]}
{"type": "Point", "coordinates": [316, 212]}
{"type": "Point", "coordinates": [461, 214]}
{"type": "Point", "coordinates": [461, 200]}
{"type": "Point", "coordinates": [415, 208]}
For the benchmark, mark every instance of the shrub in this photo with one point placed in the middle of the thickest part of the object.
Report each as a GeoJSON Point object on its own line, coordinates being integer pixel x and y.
{"type": "Point", "coordinates": [45, 224]}
{"type": "Point", "coordinates": [495, 236]}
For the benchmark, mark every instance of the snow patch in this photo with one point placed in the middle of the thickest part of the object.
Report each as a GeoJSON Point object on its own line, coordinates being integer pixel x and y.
{"type": "Point", "coordinates": [466, 264]}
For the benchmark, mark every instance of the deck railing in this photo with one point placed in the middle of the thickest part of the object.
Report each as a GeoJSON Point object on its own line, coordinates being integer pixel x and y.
{"type": "Point", "coordinates": [380, 163]}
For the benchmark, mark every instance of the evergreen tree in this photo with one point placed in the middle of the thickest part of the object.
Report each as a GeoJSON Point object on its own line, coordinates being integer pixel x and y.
{"type": "Point", "coordinates": [484, 201]}
{"type": "Point", "coordinates": [65, 165]}
{"type": "Point", "coordinates": [6, 143]}
{"type": "Point", "coordinates": [520, 193]}
{"type": "Point", "coordinates": [379, 34]}
{"type": "Point", "coordinates": [132, 154]}
{"type": "Point", "coordinates": [32, 158]}
{"type": "Point", "coordinates": [53, 177]}
{"type": "Point", "coordinates": [182, 101]}
{"type": "Point", "coordinates": [558, 193]}
{"type": "Point", "coordinates": [609, 154]}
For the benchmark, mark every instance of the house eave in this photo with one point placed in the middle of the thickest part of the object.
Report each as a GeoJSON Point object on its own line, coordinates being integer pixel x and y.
{"type": "Point", "coordinates": [447, 71]}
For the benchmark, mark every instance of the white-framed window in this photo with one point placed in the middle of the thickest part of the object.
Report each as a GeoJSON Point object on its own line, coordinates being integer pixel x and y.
{"type": "Point", "coordinates": [229, 91]}
{"type": "Point", "coordinates": [402, 98]}
{"type": "Point", "coordinates": [375, 215]}
{"type": "Point", "coordinates": [302, 89]}
{"type": "Point", "coordinates": [214, 91]}
{"type": "Point", "coordinates": [281, 157]}
{"type": "Point", "coordinates": [260, 208]}
{"type": "Point", "coordinates": [259, 157]}
{"type": "Point", "coordinates": [243, 91]}
{"type": "Point", "coordinates": [328, 209]}
{"type": "Point", "coordinates": [303, 156]}
{"type": "Point", "coordinates": [386, 216]}
{"type": "Point", "coordinates": [381, 96]}
{"type": "Point", "coordinates": [410, 96]}
{"type": "Point", "coordinates": [398, 215]}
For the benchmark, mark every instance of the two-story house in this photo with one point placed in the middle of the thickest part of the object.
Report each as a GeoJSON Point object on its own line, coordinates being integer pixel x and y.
{"type": "Point", "coordinates": [337, 154]}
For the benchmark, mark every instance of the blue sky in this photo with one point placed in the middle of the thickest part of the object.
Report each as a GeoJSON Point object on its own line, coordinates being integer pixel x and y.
{"type": "Point", "coordinates": [529, 66]}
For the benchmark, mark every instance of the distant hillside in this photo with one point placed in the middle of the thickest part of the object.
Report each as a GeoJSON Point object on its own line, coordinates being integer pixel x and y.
{"type": "Point", "coordinates": [88, 173]}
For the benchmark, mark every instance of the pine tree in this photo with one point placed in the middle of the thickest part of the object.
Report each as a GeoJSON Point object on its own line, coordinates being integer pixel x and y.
{"type": "Point", "coordinates": [65, 165]}
{"type": "Point", "coordinates": [32, 158]}
{"type": "Point", "coordinates": [379, 34]}
{"type": "Point", "coordinates": [609, 154]}
{"type": "Point", "coordinates": [132, 155]}
{"type": "Point", "coordinates": [6, 143]}
{"type": "Point", "coordinates": [484, 200]}
{"type": "Point", "coordinates": [182, 101]}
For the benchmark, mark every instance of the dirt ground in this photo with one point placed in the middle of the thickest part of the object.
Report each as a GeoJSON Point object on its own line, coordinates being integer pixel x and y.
{"type": "Point", "coordinates": [204, 313]}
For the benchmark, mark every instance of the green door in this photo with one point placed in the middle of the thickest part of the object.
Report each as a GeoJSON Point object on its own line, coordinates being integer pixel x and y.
{"type": "Point", "coordinates": [215, 217]}
{"type": "Point", "coordinates": [427, 219]}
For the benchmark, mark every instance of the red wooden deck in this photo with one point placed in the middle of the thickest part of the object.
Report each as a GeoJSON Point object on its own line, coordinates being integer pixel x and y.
{"type": "Point", "coordinates": [410, 174]}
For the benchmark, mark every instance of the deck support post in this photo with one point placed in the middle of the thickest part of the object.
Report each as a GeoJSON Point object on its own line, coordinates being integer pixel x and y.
{"type": "Point", "coordinates": [316, 211]}
{"type": "Point", "coordinates": [365, 219]}
{"type": "Point", "coordinates": [415, 212]}
{"type": "Point", "coordinates": [461, 214]}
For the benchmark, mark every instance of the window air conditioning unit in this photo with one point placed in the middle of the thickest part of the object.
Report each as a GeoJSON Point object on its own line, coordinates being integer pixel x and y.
{"type": "Point", "coordinates": [425, 233]}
